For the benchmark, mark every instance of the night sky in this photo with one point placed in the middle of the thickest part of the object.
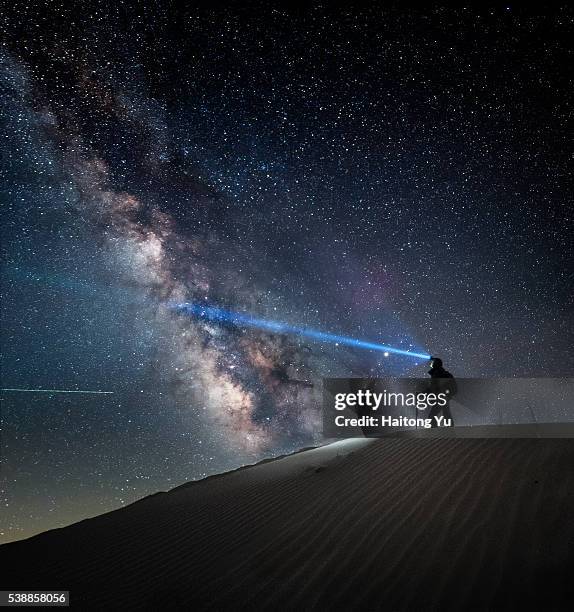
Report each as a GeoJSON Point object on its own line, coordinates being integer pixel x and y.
{"type": "Point", "coordinates": [396, 176]}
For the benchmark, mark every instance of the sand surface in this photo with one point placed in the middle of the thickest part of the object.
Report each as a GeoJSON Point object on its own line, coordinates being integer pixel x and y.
{"type": "Point", "coordinates": [409, 523]}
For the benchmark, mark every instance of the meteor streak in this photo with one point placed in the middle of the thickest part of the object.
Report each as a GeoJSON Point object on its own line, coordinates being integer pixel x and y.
{"type": "Point", "coordinates": [54, 391]}
{"type": "Point", "coordinates": [210, 313]}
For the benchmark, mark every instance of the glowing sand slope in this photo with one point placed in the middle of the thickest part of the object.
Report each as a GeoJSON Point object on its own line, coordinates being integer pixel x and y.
{"type": "Point", "coordinates": [397, 524]}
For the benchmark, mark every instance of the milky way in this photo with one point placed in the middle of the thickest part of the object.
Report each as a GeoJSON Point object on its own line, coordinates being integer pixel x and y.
{"type": "Point", "coordinates": [401, 178]}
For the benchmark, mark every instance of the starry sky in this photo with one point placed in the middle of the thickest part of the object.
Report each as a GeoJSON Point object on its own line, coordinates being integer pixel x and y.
{"type": "Point", "coordinates": [391, 175]}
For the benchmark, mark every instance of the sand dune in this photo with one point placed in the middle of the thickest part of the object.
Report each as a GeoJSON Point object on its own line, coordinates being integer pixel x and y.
{"type": "Point", "coordinates": [408, 523]}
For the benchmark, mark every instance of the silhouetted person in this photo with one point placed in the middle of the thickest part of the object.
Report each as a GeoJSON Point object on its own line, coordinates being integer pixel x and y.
{"type": "Point", "coordinates": [442, 382]}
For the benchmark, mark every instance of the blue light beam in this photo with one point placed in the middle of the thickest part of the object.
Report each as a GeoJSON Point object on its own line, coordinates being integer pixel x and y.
{"type": "Point", "coordinates": [219, 315]}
